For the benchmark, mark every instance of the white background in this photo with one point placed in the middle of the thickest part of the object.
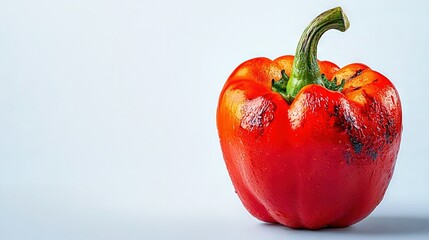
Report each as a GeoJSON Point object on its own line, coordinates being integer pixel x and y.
{"type": "Point", "coordinates": [107, 113]}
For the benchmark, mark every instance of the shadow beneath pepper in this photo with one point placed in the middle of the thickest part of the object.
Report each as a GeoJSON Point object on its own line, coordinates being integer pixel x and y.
{"type": "Point", "coordinates": [391, 225]}
{"type": "Point", "coordinates": [374, 225]}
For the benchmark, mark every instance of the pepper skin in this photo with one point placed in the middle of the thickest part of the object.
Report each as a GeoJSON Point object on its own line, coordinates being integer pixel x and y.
{"type": "Point", "coordinates": [309, 157]}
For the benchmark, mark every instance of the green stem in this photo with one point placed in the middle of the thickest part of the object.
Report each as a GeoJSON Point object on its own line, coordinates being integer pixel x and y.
{"type": "Point", "coordinates": [305, 69]}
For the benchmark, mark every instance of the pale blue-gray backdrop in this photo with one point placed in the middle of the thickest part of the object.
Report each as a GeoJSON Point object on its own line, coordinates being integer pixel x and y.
{"type": "Point", "coordinates": [107, 113]}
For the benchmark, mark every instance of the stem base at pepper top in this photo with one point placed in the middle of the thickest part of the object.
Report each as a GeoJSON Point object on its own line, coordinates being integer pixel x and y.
{"type": "Point", "coordinates": [305, 69]}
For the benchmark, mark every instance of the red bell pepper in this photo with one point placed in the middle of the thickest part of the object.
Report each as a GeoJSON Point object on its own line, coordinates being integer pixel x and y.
{"type": "Point", "coordinates": [307, 144]}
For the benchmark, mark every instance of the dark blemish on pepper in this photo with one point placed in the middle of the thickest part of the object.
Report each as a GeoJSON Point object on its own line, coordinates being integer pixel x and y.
{"type": "Point", "coordinates": [340, 124]}
{"type": "Point", "coordinates": [357, 73]}
{"type": "Point", "coordinates": [257, 114]}
{"type": "Point", "coordinates": [345, 122]}
{"type": "Point", "coordinates": [373, 154]}
{"type": "Point", "coordinates": [348, 157]}
{"type": "Point", "coordinates": [336, 111]}
{"type": "Point", "coordinates": [388, 134]}
{"type": "Point", "coordinates": [357, 145]}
